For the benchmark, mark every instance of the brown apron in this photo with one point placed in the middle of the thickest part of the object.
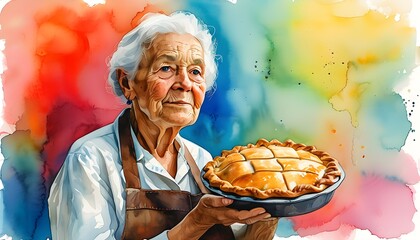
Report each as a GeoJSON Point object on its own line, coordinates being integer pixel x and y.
{"type": "Point", "coordinates": [150, 212]}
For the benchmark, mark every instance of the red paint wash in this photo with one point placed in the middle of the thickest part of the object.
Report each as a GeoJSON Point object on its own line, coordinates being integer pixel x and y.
{"type": "Point", "coordinates": [56, 79]}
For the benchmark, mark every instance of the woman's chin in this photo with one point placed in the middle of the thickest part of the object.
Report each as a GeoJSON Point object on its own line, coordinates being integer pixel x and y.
{"type": "Point", "coordinates": [178, 120]}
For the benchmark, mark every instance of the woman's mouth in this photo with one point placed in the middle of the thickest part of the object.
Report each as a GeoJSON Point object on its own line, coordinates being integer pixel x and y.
{"type": "Point", "coordinates": [178, 102]}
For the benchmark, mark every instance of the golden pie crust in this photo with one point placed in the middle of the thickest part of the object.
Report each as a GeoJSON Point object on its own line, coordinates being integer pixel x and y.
{"type": "Point", "coordinates": [271, 169]}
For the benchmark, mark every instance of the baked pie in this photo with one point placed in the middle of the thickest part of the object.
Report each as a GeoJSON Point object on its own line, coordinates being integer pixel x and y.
{"type": "Point", "coordinates": [272, 169]}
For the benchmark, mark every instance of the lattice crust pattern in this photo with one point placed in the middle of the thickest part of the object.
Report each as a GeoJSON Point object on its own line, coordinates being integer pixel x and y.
{"type": "Point", "coordinates": [272, 169]}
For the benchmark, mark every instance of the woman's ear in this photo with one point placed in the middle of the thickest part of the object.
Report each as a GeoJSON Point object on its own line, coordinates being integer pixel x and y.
{"type": "Point", "coordinates": [124, 84]}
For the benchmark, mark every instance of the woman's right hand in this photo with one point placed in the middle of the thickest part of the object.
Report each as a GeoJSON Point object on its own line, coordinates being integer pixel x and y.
{"type": "Point", "coordinates": [212, 210]}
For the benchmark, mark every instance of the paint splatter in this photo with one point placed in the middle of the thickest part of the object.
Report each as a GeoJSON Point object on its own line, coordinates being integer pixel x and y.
{"type": "Point", "coordinates": [322, 73]}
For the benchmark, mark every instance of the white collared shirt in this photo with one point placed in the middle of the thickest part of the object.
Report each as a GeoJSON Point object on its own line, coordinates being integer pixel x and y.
{"type": "Point", "coordinates": [87, 198]}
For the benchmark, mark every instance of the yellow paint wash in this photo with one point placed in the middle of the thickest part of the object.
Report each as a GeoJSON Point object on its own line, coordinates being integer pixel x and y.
{"type": "Point", "coordinates": [341, 54]}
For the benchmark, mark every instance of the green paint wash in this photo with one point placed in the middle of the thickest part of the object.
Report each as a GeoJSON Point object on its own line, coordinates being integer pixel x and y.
{"type": "Point", "coordinates": [339, 57]}
{"type": "Point", "coordinates": [297, 60]}
{"type": "Point", "coordinates": [322, 73]}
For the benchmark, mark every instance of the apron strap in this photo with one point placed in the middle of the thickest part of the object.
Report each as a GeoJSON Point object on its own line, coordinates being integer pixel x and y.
{"type": "Point", "coordinates": [194, 170]}
{"type": "Point", "coordinates": [128, 154]}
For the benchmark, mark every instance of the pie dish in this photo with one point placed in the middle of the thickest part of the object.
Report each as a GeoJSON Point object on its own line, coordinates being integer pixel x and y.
{"type": "Point", "coordinates": [272, 169]}
{"type": "Point", "coordinates": [281, 207]}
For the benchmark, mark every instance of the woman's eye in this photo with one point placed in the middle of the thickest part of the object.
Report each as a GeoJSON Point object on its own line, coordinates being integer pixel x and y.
{"type": "Point", "coordinates": [196, 72]}
{"type": "Point", "coordinates": [165, 68]}
{"type": "Point", "coordinates": [165, 72]}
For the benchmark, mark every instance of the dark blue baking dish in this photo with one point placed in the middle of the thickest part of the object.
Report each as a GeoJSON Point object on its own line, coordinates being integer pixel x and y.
{"type": "Point", "coordinates": [281, 207]}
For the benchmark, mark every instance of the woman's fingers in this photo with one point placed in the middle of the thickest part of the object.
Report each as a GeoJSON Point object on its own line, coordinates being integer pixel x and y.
{"type": "Point", "coordinates": [229, 216]}
{"type": "Point", "coordinates": [257, 218]}
{"type": "Point", "coordinates": [213, 201]}
{"type": "Point", "coordinates": [249, 217]}
{"type": "Point", "coordinates": [244, 214]}
{"type": "Point", "coordinates": [212, 209]}
{"type": "Point", "coordinates": [248, 221]}
{"type": "Point", "coordinates": [269, 219]}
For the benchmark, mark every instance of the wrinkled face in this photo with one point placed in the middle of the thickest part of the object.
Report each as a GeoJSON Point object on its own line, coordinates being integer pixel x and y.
{"type": "Point", "coordinates": [170, 84]}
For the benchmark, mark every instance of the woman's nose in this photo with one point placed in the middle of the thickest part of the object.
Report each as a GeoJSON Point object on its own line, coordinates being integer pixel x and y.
{"type": "Point", "coordinates": [183, 82]}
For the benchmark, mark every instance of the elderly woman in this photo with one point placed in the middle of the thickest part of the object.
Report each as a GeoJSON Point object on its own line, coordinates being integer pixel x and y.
{"type": "Point", "coordinates": [137, 177]}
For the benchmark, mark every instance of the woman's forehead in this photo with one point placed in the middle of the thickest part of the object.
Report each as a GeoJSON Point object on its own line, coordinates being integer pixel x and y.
{"type": "Point", "coordinates": [174, 42]}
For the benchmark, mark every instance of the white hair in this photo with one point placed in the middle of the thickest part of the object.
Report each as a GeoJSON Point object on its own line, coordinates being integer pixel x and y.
{"type": "Point", "coordinates": [132, 46]}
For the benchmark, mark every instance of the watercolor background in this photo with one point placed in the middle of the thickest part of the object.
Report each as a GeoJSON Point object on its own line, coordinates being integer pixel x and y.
{"type": "Point", "coordinates": [337, 74]}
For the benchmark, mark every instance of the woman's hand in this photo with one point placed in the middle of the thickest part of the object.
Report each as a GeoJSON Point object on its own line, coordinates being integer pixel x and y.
{"type": "Point", "coordinates": [213, 210]}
